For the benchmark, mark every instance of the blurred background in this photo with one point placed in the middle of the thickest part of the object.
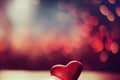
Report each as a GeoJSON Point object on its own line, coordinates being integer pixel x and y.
{"type": "Point", "coordinates": [37, 34]}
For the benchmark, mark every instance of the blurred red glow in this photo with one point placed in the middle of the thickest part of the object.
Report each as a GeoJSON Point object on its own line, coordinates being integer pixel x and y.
{"type": "Point", "coordinates": [115, 33]}
{"type": "Point", "coordinates": [109, 36]}
{"type": "Point", "coordinates": [84, 33]}
{"type": "Point", "coordinates": [118, 11]}
{"type": "Point", "coordinates": [103, 30]}
{"type": "Point", "coordinates": [68, 49]}
{"type": "Point", "coordinates": [99, 36]}
{"type": "Point", "coordinates": [46, 41]}
{"type": "Point", "coordinates": [92, 20]}
{"type": "Point", "coordinates": [3, 46]}
{"type": "Point", "coordinates": [112, 1]}
{"type": "Point", "coordinates": [114, 48]}
{"type": "Point", "coordinates": [87, 27]}
{"type": "Point", "coordinates": [111, 16]}
{"type": "Point", "coordinates": [55, 45]}
{"type": "Point", "coordinates": [97, 45]}
{"type": "Point", "coordinates": [108, 45]}
{"type": "Point", "coordinates": [104, 10]}
{"type": "Point", "coordinates": [21, 40]}
{"type": "Point", "coordinates": [104, 56]}
{"type": "Point", "coordinates": [84, 15]}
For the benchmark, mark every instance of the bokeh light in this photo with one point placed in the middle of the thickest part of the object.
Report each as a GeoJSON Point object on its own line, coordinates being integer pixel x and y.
{"type": "Point", "coordinates": [115, 33]}
{"type": "Point", "coordinates": [104, 10]}
{"type": "Point", "coordinates": [54, 31]}
{"type": "Point", "coordinates": [114, 48]}
{"type": "Point", "coordinates": [118, 11]}
{"type": "Point", "coordinates": [112, 1]}
{"type": "Point", "coordinates": [104, 56]}
{"type": "Point", "coordinates": [108, 45]}
{"type": "Point", "coordinates": [111, 16]}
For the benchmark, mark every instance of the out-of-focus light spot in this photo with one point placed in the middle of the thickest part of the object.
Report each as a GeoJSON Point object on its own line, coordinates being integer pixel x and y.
{"type": "Point", "coordinates": [97, 45]}
{"type": "Point", "coordinates": [104, 56]}
{"type": "Point", "coordinates": [115, 33]}
{"type": "Point", "coordinates": [104, 10]}
{"type": "Point", "coordinates": [108, 45]}
{"type": "Point", "coordinates": [61, 5]}
{"type": "Point", "coordinates": [114, 48]}
{"type": "Point", "coordinates": [3, 46]}
{"type": "Point", "coordinates": [46, 41]}
{"type": "Point", "coordinates": [110, 16]}
{"type": "Point", "coordinates": [87, 27]}
{"type": "Point", "coordinates": [21, 40]}
{"type": "Point", "coordinates": [84, 15]}
{"type": "Point", "coordinates": [109, 36]}
{"type": "Point", "coordinates": [98, 36]}
{"type": "Point", "coordinates": [103, 30]}
{"type": "Point", "coordinates": [92, 20]}
{"type": "Point", "coordinates": [21, 12]}
{"type": "Point", "coordinates": [75, 39]}
{"type": "Point", "coordinates": [67, 51]}
{"type": "Point", "coordinates": [118, 11]}
{"type": "Point", "coordinates": [66, 45]}
{"type": "Point", "coordinates": [84, 33]}
{"type": "Point", "coordinates": [68, 48]}
{"type": "Point", "coordinates": [96, 1]}
{"type": "Point", "coordinates": [63, 17]}
{"type": "Point", "coordinates": [112, 1]}
{"type": "Point", "coordinates": [55, 45]}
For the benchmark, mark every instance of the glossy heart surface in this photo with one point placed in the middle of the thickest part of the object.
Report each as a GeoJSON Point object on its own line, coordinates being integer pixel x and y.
{"type": "Point", "coordinates": [69, 72]}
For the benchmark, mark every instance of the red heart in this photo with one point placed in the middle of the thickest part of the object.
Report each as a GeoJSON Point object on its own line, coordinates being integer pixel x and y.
{"type": "Point", "coordinates": [69, 72]}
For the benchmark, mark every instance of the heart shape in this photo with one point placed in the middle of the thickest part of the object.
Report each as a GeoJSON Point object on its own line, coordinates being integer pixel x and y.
{"type": "Point", "coordinates": [69, 72]}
